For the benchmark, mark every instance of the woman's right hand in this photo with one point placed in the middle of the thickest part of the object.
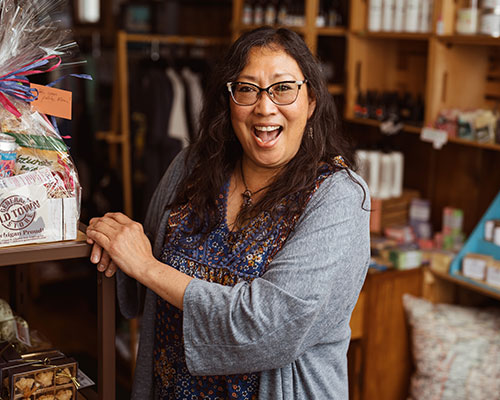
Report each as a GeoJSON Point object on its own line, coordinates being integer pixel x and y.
{"type": "Point", "coordinates": [101, 258]}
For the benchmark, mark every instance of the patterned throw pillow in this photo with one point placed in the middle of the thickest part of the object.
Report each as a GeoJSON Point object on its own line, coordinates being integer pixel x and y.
{"type": "Point", "coordinates": [456, 351]}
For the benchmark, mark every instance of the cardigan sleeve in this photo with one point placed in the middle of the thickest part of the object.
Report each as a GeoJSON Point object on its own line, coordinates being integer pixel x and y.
{"type": "Point", "coordinates": [130, 293]}
{"type": "Point", "coordinates": [309, 290]}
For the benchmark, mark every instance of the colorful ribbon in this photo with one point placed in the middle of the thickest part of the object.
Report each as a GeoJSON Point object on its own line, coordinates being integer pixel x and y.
{"type": "Point", "coordinates": [17, 85]}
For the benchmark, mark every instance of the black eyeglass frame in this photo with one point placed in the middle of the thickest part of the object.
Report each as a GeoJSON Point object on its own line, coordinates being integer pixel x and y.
{"type": "Point", "coordinates": [299, 83]}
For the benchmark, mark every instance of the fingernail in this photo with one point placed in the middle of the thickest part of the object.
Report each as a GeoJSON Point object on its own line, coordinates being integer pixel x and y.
{"type": "Point", "coordinates": [101, 267]}
{"type": "Point", "coordinates": [109, 273]}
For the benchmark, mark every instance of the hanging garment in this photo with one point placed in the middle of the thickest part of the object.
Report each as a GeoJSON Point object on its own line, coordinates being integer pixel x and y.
{"type": "Point", "coordinates": [195, 97]}
{"type": "Point", "coordinates": [178, 126]}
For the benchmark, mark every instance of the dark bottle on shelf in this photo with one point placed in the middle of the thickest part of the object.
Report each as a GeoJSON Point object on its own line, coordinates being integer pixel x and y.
{"type": "Point", "coordinates": [418, 111]}
{"type": "Point", "coordinates": [360, 109]}
{"type": "Point", "coordinates": [371, 103]}
{"type": "Point", "coordinates": [334, 14]}
{"type": "Point", "coordinates": [405, 108]}
{"type": "Point", "coordinates": [392, 106]}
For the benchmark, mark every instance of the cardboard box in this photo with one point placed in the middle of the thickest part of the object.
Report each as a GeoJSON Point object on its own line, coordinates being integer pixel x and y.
{"type": "Point", "coordinates": [404, 259]}
{"type": "Point", "coordinates": [493, 273]}
{"type": "Point", "coordinates": [393, 211]}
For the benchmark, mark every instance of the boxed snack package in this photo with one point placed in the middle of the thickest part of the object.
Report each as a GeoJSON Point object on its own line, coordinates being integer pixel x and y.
{"type": "Point", "coordinates": [49, 375]}
{"type": "Point", "coordinates": [39, 185]}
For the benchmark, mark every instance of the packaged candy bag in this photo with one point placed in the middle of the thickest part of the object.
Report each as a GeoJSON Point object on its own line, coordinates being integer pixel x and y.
{"type": "Point", "coordinates": [39, 185]}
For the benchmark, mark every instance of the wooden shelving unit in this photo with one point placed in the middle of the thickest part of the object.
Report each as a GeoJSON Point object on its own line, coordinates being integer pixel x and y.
{"type": "Point", "coordinates": [332, 31]}
{"type": "Point", "coordinates": [394, 35]}
{"type": "Point", "coordinates": [478, 40]}
{"type": "Point", "coordinates": [18, 256]}
{"type": "Point", "coordinates": [470, 284]}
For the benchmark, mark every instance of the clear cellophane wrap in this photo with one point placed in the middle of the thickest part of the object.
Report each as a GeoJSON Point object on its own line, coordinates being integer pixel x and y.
{"type": "Point", "coordinates": [40, 197]}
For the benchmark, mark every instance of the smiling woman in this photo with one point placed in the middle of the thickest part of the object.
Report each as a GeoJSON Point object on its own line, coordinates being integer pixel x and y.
{"type": "Point", "coordinates": [260, 240]}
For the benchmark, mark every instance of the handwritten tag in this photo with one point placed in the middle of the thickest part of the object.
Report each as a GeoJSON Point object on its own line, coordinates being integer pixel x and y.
{"type": "Point", "coordinates": [437, 137]}
{"type": "Point", "coordinates": [52, 101]}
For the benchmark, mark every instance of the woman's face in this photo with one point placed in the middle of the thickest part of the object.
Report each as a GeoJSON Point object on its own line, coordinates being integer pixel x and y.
{"type": "Point", "coordinates": [270, 134]}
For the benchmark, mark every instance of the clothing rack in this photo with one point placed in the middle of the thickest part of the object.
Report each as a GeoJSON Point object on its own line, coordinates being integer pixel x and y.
{"type": "Point", "coordinates": [119, 135]}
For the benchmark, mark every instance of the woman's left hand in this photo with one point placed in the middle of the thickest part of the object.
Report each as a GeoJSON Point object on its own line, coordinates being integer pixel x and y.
{"type": "Point", "coordinates": [122, 240]}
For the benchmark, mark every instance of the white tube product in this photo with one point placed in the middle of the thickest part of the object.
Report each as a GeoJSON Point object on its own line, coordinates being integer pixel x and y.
{"type": "Point", "coordinates": [399, 15]}
{"type": "Point", "coordinates": [374, 172]}
{"type": "Point", "coordinates": [363, 164]}
{"type": "Point", "coordinates": [424, 24]}
{"type": "Point", "coordinates": [386, 172]}
{"type": "Point", "coordinates": [388, 15]}
{"type": "Point", "coordinates": [397, 159]}
{"type": "Point", "coordinates": [375, 16]}
{"type": "Point", "coordinates": [411, 15]}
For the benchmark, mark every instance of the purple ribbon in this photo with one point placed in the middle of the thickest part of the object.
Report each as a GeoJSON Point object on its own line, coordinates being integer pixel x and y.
{"type": "Point", "coordinates": [17, 85]}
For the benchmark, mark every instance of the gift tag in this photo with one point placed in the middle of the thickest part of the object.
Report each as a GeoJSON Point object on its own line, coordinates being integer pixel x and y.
{"type": "Point", "coordinates": [437, 137]}
{"type": "Point", "coordinates": [52, 101]}
{"type": "Point", "coordinates": [83, 380]}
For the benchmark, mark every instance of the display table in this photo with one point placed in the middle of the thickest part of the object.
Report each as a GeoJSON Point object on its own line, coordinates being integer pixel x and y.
{"type": "Point", "coordinates": [19, 256]}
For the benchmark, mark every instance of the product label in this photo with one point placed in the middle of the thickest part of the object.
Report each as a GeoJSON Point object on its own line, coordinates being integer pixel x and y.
{"type": "Point", "coordinates": [28, 216]}
{"type": "Point", "coordinates": [496, 236]}
{"type": "Point", "coordinates": [474, 267]}
{"type": "Point", "coordinates": [41, 176]}
{"type": "Point", "coordinates": [40, 142]}
{"type": "Point", "coordinates": [493, 276]}
{"type": "Point", "coordinates": [18, 212]}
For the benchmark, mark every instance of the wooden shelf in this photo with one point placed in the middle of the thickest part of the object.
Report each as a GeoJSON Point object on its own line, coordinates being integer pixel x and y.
{"type": "Point", "coordinates": [336, 89]}
{"type": "Point", "coordinates": [417, 130]}
{"type": "Point", "coordinates": [481, 40]}
{"type": "Point", "coordinates": [249, 27]}
{"type": "Point", "coordinates": [31, 253]}
{"type": "Point", "coordinates": [395, 35]}
{"type": "Point", "coordinates": [372, 122]}
{"type": "Point", "coordinates": [332, 31]}
{"type": "Point", "coordinates": [468, 283]}
{"type": "Point", "coordinates": [173, 39]}
{"type": "Point", "coordinates": [490, 146]}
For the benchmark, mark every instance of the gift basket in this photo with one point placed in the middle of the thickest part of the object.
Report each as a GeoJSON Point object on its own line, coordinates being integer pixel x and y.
{"type": "Point", "coordinates": [39, 185]}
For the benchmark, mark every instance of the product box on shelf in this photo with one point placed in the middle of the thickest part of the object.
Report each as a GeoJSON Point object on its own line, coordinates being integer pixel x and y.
{"type": "Point", "coordinates": [391, 212]}
{"type": "Point", "coordinates": [41, 379]}
{"type": "Point", "coordinates": [493, 273]}
{"type": "Point", "coordinates": [474, 265]}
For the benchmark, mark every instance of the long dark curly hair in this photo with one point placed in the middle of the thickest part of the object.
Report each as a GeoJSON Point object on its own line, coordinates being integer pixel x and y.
{"type": "Point", "coordinates": [216, 150]}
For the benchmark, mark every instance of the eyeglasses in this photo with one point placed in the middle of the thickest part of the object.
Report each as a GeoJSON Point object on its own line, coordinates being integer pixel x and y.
{"type": "Point", "coordinates": [280, 93]}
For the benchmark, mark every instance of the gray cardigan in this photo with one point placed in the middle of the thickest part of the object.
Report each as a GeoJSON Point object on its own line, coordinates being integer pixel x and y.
{"type": "Point", "coordinates": [291, 324]}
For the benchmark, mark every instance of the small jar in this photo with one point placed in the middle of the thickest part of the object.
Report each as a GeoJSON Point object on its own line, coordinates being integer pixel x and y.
{"type": "Point", "coordinates": [467, 18]}
{"type": "Point", "coordinates": [489, 22]}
